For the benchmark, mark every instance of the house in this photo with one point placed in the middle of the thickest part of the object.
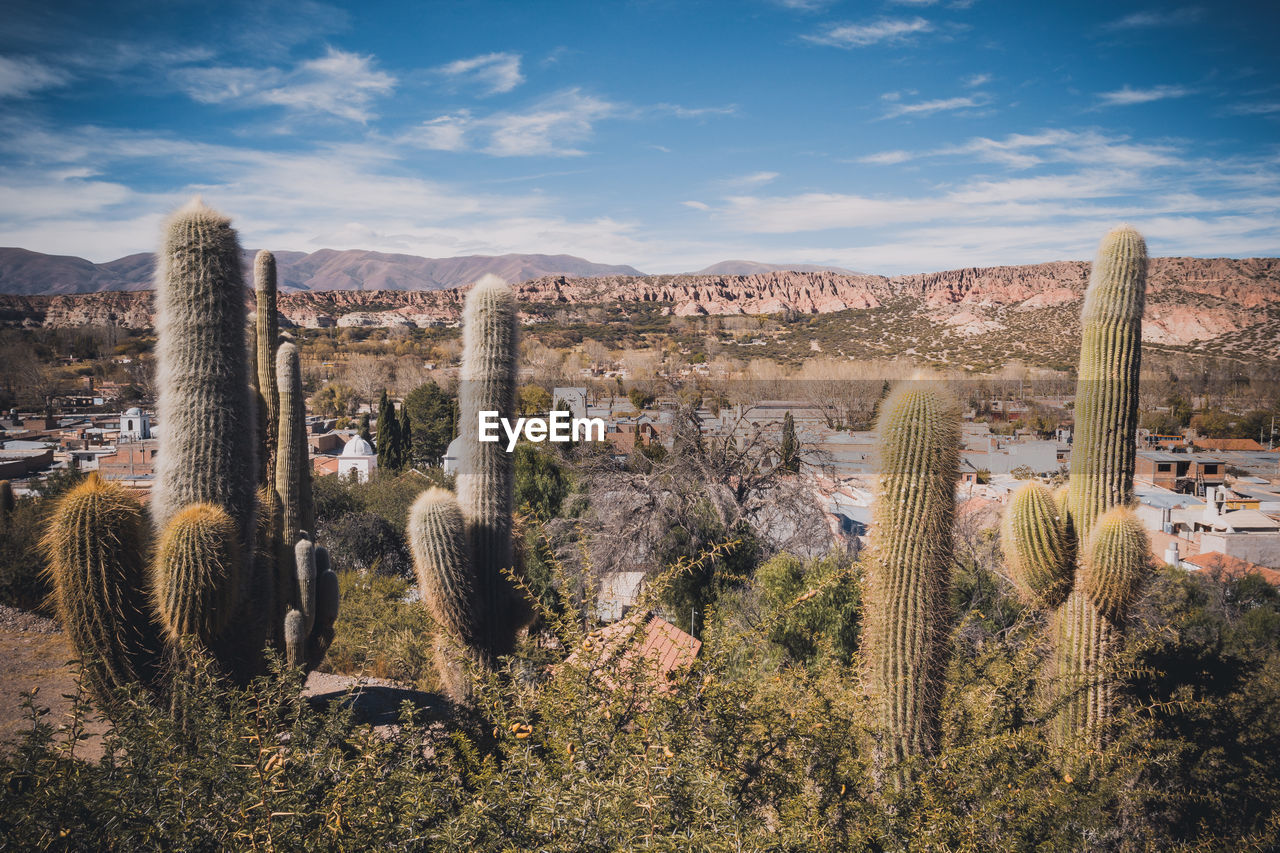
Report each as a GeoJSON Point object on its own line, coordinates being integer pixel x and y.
{"type": "Point", "coordinates": [1180, 472]}
{"type": "Point", "coordinates": [1229, 567]}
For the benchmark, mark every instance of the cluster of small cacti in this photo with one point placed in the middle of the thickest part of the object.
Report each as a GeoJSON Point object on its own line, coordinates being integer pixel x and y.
{"type": "Point", "coordinates": [909, 570]}
{"type": "Point", "coordinates": [462, 545]}
{"type": "Point", "coordinates": [225, 566]}
{"type": "Point", "coordinates": [1082, 554]}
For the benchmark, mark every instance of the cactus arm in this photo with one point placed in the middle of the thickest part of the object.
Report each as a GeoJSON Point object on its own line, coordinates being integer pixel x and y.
{"type": "Point", "coordinates": [305, 565]}
{"type": "Point", "coordinates": [293, 479]}
{"type": "Point", "coordinates": [437, 537]}
{"type": "Point", "coordinates": [1116, 562]}
{"type": "Point", "coordinates": [1033, 539]}
{"type": "Point", "coordinates": [197, 573]}
{"type": "Point", "coordinates": [267, 331]}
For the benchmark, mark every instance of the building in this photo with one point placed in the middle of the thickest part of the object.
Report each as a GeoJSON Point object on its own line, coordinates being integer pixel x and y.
{"type": "Point", "coordinates": [1189, 473]}
{"type": "Point", "coordinates": [135, 425]}
{"type": "Point", "coordinates": [358, 457]}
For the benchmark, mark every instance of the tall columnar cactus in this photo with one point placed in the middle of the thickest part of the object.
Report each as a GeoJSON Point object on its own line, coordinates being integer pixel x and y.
{"type": "Point", "coordinates": [96, 543]}
{"type": "Point", "coordinates": [1083, 555]}
{"type": "Point", "coordinates": [462, 546]}
{"type": "Point", "coordinates": [216, 576]}
{"type": "Point", "coordinates": [268, 330]}
{"type": "Point", "coordinates": [202, 370]}
{"type": "Point", "coordinates": [293, 473]}
{"type": "Point", "coordinates": [909, 569]}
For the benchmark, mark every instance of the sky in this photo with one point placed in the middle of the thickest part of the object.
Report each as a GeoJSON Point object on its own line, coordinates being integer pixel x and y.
{"type": "Point", "coordinates": [887, 137]}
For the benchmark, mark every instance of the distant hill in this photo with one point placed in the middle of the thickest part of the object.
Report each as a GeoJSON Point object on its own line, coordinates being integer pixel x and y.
{"type": "Point", "coordinates": [25, 272]}
{"type": "Point", "coordinates": [757, 268]}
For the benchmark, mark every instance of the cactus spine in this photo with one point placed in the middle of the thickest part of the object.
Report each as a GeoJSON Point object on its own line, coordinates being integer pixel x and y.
{"type": "Point", "coordinates": [96, 543]}
{"type": "Point", "coordinates": [909, 571]}
{"type": "Point", "coordinates": [1083, 555]}
{"type": "Point", "coordinates": [268, 330]}
{"type": "Point", "coordinates": [216, 578]}
{"type": "Point", "coordinates": [462, 546]}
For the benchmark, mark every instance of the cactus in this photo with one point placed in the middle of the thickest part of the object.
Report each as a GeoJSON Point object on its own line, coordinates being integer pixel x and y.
{"type": "Point", "coordinates": [264, 285]}
{"type": "Point", "coordinates": [293, 473]}
{"type": "Point", "coordinates": [202, 371]}
{"type": "Point", "coordinates": [96, 544]}
{"type": "Point", "coordinates": [7, 503]}
{"type": "Point", "coordinates": [196, 576]}
{"type": "Point", "coordinates": [222, 579]}
{"type": "Point", "coordinates": [1081, 554]}
{"type": "Point", "coordinates": [462, 546]}
{"type": "Point", "coordinates": [909, 571]}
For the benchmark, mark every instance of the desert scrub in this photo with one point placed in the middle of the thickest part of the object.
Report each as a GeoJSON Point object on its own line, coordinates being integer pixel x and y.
{"type": "Point", "coordinates": [733, 754]}
{"type": "Point", "coordinates": [380, 634]}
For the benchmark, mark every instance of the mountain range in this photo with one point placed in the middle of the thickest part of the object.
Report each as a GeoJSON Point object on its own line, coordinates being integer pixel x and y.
{"type": "Point", "coordinates": [26, 272]}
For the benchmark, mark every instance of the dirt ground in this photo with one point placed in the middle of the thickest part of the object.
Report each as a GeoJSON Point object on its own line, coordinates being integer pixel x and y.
{"type": "Point", "coordinates": [35, 653]}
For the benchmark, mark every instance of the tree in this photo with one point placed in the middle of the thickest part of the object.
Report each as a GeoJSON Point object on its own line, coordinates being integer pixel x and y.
{"type": "Point", "coordinates": [534, 399]}
{"type": "Point", "coordinates": [430, 411]}
{"type": "Point", "coordinates": [364, 428]}
{"type": "Point", "coordinates": [388, 435]}
{"type": "Point", "coordinates": [404, 452]}
{"type": "Point", "coordinates": [789, 451]}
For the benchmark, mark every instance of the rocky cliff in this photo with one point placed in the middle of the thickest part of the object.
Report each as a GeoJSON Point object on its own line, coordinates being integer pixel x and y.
{"type": "Point", "coordinates": [1189, 299]}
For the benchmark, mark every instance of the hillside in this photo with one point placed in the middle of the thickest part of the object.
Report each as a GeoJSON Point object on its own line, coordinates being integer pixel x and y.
{"type": "Point", "coordinates": [32, 273]}
{"type": "Point", "coordinates": [971, 317]}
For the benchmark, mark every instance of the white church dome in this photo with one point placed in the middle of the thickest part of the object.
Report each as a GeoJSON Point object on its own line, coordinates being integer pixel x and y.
{"type": "Point", "coordinates": [134, 412]}
{"type": "Point", "coordinates": [357, 446]}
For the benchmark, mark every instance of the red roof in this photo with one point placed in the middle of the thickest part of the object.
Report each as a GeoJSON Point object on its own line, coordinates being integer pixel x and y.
{"type": "Point", "coordinates": [1232, 567]}
{"type": "Point", "coordinates": [1227, 444]}
{"type": "Point", "coordinates": [661, 646]}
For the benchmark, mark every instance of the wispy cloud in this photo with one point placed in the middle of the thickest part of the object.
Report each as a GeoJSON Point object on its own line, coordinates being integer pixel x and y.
{"type": "Point", "coordinates": [22, 76]}
{"type": "Point", "coordinates": [1258, 108]}
{"type": "Point", "coordinates": [872, 32]}
{"type": "Point", "coordinates": [939, 105]}
{"type": "Point", "coordinates": [496, 72]}
{"type": "Point", "coordinates": [887, 158]}
{"type": "Point", "coordinates": [804, 5]}
{"type": "Point", "coordinates": [1155, 18]}
{"type": "Point", "coordinates": [755, 179]}
{"type": "Point", "coordinates": [914, 2]}
{"type": "Point", "coordinates": [338, 84]}
{"type": "Point", "coordinates": [552, 127]}
{"type": "Point", "coordinates": [973, 81]}
{"type": "Point", "coordinates": [696, 205]}
{"type": "Point", "coordinates": [1128, 96]}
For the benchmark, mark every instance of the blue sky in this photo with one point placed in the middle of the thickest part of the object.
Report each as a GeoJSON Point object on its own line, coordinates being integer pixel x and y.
{"type": "Point", "coordinates": [893, 136]}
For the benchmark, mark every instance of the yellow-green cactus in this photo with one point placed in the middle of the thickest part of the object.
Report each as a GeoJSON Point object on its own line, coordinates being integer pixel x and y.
{"type": "Point", "coordinates": [909, 568]}
{"type": "Point", "coordinates": [1103, 547]}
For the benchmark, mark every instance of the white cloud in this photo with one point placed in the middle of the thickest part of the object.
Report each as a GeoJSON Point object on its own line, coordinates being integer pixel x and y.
{"type": "Point", "coordinates": [973, 81]}
{"type": "Point", "coordinates": [554, 126]}
{"type": "Point", "coordinates": [872, 32]}
{"type": "Point", "coordinates": [1260, 108]}
{"type": "Point", "coordinates": [1153, 19]}
{"type": "Point", "coordinates": [914, 2]}
{"type": "Point", "coordinates": [1127, 96]}
{"type": "Point", "coordinates": [886, 158]}
{"type": "Point", "coordinates": [497, 72]}
{"type": "Point", "coordinates": [897, 109]}
{"type": "Point", "coordinates": [755, 179]}
{"type": "Point", "coordinates": [21, 76]}
{"type": "Point", "coordinates": [696, 205]}
{"type": "Point", "coordinates": [338, 84]}
{"type": "Point", "coordinates": [805, 5]}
